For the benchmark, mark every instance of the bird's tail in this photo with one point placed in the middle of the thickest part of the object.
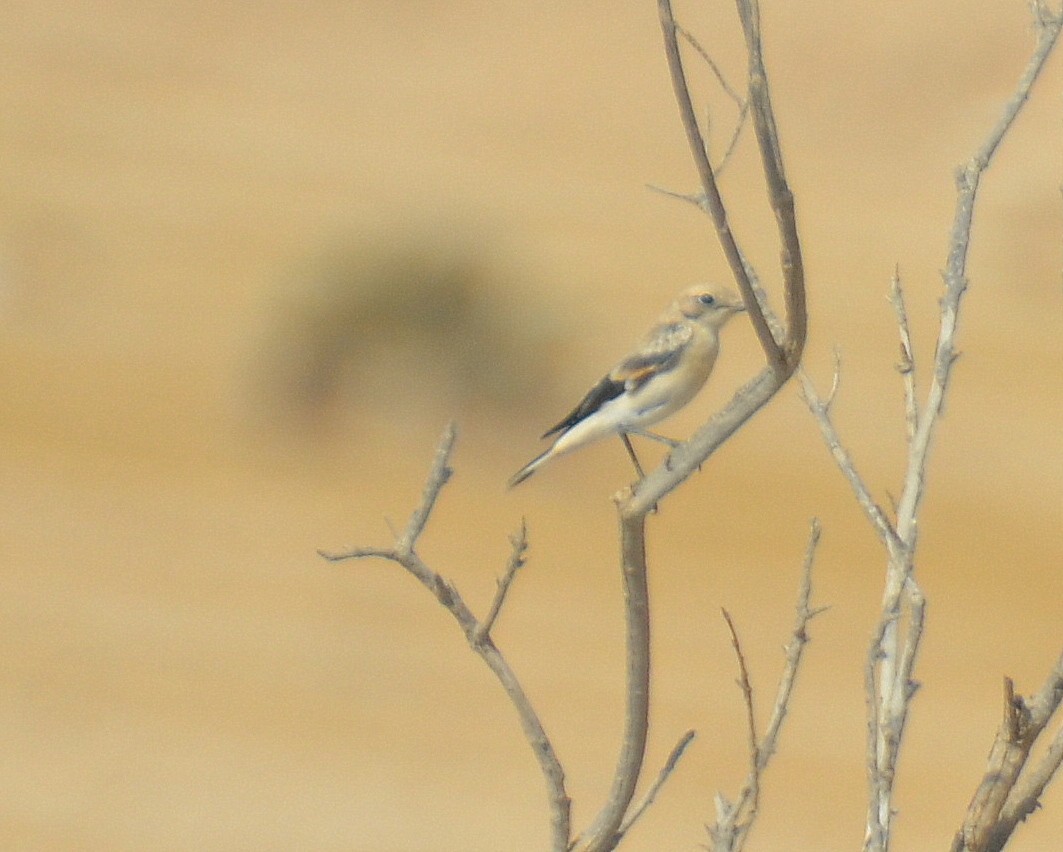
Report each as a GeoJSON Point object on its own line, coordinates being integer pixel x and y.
{"type": "Point", "coordinates": [530, 468]}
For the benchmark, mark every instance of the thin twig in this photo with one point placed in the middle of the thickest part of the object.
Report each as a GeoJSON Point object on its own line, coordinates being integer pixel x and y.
{"type": "Point", "coordinates": [437, 478]}
{"type": "Point", "coordinates": [835, 382]}
{"type": "Point", "coordinates": [742, 103]}
{"type": "Point", "coordinates": [695, 198]}
{"type": "Point", "coordinates": [821, 412]}
{"type": "Point", "coordinates": [515, 563]}
{"type": "Point", "coordinates": [753, 782]}
{"type": "Point", "coordinates": [906, 367]}
{"type": "Point", "coordinates": [794, 648]}
{"type": "Point", "coordinates": [689, 38]}
{"type": "Point", "coordinates": [669, 767]}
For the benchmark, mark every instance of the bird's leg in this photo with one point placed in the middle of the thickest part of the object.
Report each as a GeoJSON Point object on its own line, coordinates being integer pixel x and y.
{"type": "Point", "coordinates": [631, 452]}
{"type": "Point", "coordinates": [653, 436]}
{"type": "Point", "coordinates": [635, 461]}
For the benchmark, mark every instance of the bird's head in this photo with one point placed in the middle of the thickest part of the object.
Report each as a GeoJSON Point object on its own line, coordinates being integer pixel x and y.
{"type": "Point", "coordinates": [709, 305]}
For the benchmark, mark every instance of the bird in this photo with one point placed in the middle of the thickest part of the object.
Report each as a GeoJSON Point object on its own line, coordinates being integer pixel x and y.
{"type": "Point", "coordinates": [664, 372]}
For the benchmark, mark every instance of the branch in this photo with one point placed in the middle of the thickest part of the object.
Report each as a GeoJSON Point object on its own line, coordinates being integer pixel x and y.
{"type": "Point", "coordinates": [784, 354]}
{"type": "Point", "coordinates": [1006, 795]}
{"type": "Point", "coordinates": [896, 683]}
{"type": "Point", "coordinates": [892, 653]}
{"type": "Point", "coordinates": [437, 478]}
{"type": "Point", "coordinates": [604, 832]}
{"type": "Point", "coordinates": [733, 821]}
{"type": "Point", "coordinates": [967, 182]}
{"type": "Point", "coordinates": [516, 562]}
{"type": "Point", "coordinates": [744, 684]}
{"type": "Point", "coordinates": [906, 367]}
{"type": "Point", "coordinates": [820, 410]}
{"type": "Point", "coordinates": [666, 771]}
{"type": "Point", "coordinates": [782, 199]}
{"type": "Point", "coordinates": [635, 504]}
{"type": "Point", "coordinates": [742, 103]}
{"type": "Point", "coordinates": [477, 633]}
{"type": "Point", "coordinates": [713, 202]}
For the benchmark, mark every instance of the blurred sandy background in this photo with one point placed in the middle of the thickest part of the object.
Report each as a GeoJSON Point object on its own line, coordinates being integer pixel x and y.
{"type": "Point", "coordinates": [254, 256]}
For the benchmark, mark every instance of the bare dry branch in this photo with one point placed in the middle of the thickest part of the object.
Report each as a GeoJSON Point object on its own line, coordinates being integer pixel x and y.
{"type": "Point", "coordinates": [1009, 792]}
{"type": "Point", "coordinates": [968, 181]}
{"type": "Point", "coordinates": [515, 563]}
{"type": "Point", "coordinates": [713, 202]}
{"type": "Point", "coordinates": [437, 478]}
{"type": "Point", "coordinates": [721, 78]}
{"type": "Point", "coordinates": [821, 412]}
{"type": "Point", "coordinates": [782, 200]}
{"type": "Point", "coordinates": [897, 656]}
{"type": "Point", "coordinates": [734, 821]}
{"type": "Point", "coordinates": [740, 102]}
{"type": "Point", "coordinates": [636, 503]}
{"type": "Point", "coordinates": [604, 832]}
{"type": "Point", "coordinates": [753, 779]}
{"type": "Point", "coordinates": [477, 633]}
{"type": "Point", "coordinates": [889, 672]}
{"type": "Point", "coordinates": [669, 767]}
{"type": "Point", "coordinates": [794, 649]}
{"type": "Point", "coordinates": [906, 367]}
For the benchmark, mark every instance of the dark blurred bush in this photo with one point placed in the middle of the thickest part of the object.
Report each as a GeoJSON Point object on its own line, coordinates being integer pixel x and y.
{"type": "Point", "coordinates": [408, 323]}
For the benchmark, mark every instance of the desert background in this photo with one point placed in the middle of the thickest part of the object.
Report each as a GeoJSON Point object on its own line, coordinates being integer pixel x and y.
{"type": "Point", "coordinates": [253, 258]}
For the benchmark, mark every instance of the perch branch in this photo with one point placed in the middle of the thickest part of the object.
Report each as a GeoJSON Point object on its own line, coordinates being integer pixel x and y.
{"type": "Point", "coordinates": [636, 503]}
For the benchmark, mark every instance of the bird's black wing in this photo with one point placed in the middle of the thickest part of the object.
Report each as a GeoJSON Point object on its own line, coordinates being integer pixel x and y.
{"type": "Point", "coordinates": [608, 388]}
{"type": "Point", "coordinates": [660, 351]}
{"type": "Point", "coordinates": [628, 375]}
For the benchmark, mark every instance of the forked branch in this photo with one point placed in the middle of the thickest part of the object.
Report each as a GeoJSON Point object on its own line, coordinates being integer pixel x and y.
{"type": "Point", "coordinates": [477, 632]}
{"type": "Point", "coordinates": [734, 820]}
{"type": "Point", "coordinates": [1011, 790]}
{"type": "Point", "coordinates": [895, 645]}
{"type": "Point", "coordinates": [782, 357]}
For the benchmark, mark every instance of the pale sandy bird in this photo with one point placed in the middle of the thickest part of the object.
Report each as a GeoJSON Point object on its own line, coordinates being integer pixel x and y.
{"type": "Point", "coordinates": [664, 372]}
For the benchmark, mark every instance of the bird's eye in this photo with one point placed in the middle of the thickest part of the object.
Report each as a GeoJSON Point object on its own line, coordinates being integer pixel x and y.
{"type": "Point", "coordinates": [707, 299]}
